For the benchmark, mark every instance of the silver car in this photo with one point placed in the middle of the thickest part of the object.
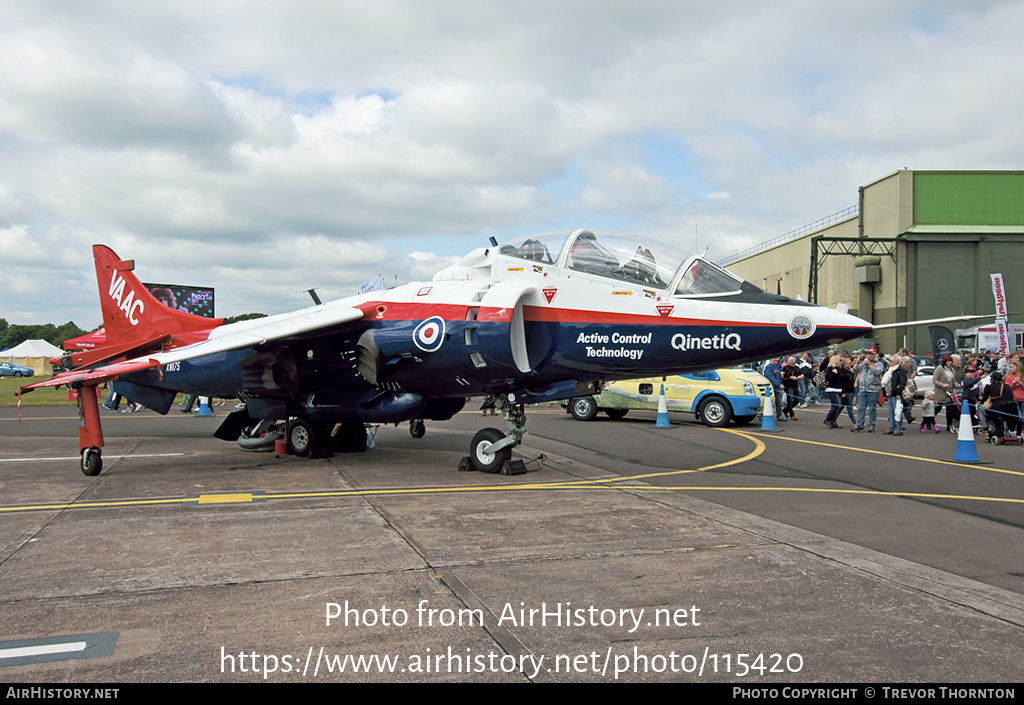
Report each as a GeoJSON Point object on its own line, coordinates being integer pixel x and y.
{"type": "Point", "coordinates": [924, 380]}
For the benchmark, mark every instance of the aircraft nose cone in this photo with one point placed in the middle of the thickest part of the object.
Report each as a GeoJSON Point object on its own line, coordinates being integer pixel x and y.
{"type": "Point", "coordinates": [844, 326]}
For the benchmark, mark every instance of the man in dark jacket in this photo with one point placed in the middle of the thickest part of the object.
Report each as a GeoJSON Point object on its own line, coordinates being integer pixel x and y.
{"type": "Point", "coordinates": [791, 378]}
{"type": "Point", "coordinates": [895, 382]}
{"type": "Point", "coordinates": [773, 372]}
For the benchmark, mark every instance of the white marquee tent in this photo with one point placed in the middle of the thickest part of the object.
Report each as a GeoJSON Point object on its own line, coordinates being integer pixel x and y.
{"type": "Point", "coordinates": [33, 353]}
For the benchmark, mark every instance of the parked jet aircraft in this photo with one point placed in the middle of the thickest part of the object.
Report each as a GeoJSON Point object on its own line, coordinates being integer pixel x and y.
{"type": "Point", "coordinates": [538, 319]}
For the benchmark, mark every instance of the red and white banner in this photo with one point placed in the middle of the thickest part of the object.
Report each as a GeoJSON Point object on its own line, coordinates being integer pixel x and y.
{"type": "Point", "coordinates": [999, 292]}
{"type": "Point", "coordinates": [1003, 334]}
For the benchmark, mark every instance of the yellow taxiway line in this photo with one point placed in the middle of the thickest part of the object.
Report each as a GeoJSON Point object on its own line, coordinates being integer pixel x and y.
{"type": "Point", "coordinates": [221, 498]}
{"type": "Point", "coordinates": [902, 456]}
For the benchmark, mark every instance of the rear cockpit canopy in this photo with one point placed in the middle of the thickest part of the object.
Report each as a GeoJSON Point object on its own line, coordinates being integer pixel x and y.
{"type": "Point", "coordinates": [628, 259]}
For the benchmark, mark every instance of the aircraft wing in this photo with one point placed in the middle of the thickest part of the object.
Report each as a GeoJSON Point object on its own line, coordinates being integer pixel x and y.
{"type": "Point", "coordinates": [231, 337]}
{"type": "Point", "coordinates": [95, 375]}
{"type": "Point", "coordinates": [932, 321]}
{"type": "Point", "coordinates": [259, 331]}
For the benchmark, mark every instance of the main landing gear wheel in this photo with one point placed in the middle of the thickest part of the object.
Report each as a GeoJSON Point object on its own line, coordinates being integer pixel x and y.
{"type": "Point", "coordinates": [616, 413]}
{"type": "Point", "coordinates": [92, 461]}
{"type": "Point", "coordinates": [417, 428]}
{"type": "Point", "coordinates": [302, 437]}
{"type": "Point", "coordinates": [479, 454]}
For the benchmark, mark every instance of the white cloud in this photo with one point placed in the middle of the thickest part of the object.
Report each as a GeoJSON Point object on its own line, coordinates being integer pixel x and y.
{"type": "Point", "coordinates": [266, 148]}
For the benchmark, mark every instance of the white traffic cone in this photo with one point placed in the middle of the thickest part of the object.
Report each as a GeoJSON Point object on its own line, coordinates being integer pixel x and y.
{"type": "Point", "coordinates": [663, 421]}
{"type": "Point", "coordinates": [768, 413]}
{"type": "Point", "coordinates": [966, 450]}
{"type": "Point", "coordinates": [204, 407]}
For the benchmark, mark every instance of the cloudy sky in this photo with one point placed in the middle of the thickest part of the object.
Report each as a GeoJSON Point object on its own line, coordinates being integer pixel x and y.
{"type": "Point", "coordinates": [266, 148]}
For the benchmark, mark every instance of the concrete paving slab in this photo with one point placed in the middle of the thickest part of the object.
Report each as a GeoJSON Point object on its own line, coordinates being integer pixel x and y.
{"type": "Point", "coordinates": [223, 566]}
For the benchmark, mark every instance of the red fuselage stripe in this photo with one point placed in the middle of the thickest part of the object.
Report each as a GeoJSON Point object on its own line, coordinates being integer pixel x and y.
{"type": "Point", "coordinates": [403, 311]}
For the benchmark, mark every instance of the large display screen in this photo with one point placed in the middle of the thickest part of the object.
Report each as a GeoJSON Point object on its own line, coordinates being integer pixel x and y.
{"type": "Point", "coordinates": [184, 298]}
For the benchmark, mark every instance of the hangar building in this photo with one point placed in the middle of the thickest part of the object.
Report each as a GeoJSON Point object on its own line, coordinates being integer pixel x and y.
{"type": "Point", "coordinates": [918, 245]}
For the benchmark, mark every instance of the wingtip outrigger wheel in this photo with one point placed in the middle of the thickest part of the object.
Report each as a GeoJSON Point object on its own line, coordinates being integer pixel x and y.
{"type": "Point", "coordinates": [92, 461]}
{"type": "Point", "coordinates": [90, 433]}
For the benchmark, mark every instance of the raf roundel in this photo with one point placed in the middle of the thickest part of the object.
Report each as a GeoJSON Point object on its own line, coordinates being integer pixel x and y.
{"type": "Point", "coordinates": [801, 327]}
{"type": "Point", "coordinates": [429, 334]}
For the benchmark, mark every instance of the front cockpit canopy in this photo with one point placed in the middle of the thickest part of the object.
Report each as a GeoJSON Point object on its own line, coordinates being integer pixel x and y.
{"type": "Point", "coordinates": [628, 259]}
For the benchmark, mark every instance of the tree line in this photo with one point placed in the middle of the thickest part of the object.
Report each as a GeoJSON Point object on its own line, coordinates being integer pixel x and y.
{"type": "Point", "coordinates": [11, 335]}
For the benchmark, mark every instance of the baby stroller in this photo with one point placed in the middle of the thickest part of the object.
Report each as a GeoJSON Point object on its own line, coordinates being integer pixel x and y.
{"type": "Point", "coordinates": [956, 401]}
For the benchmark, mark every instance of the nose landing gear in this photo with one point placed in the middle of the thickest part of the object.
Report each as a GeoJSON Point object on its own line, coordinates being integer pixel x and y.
{"type": "Point", "coordinates": [492, 448]}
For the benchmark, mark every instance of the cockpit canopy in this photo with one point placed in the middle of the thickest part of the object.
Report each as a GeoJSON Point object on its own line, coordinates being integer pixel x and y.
{"type": "Point", "coordinates": [628, 259]}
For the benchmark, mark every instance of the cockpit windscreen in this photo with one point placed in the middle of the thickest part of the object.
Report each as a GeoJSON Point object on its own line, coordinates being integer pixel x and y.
{"type": "Point", "coordinates": [702, 278]}
{"type": "Point", "coordinates": [625, 258]}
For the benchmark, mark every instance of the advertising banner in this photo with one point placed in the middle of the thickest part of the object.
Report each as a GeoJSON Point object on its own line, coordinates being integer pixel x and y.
{"type": "Point", "coordinates": [999, 292]}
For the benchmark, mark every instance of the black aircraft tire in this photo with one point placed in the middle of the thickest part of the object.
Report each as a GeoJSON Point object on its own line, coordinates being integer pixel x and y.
{"type": "Point", "coordinates": [302, 437]}
{"type": "Point", "coordinates": [417, 428]}
{"type": "Point", "coordinates": [583, 408]}
{"type": "Point", "coordinates": [616, 413]}
{"type": "Point", "coordinates": [481, 459]}
{"type": "Point", "coordinates": [715, 412]}
{"type": "Point", "coordinates": [92, 462]}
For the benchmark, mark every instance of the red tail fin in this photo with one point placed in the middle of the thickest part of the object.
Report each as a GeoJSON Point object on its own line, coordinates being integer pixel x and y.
{"type": "Point", "coordinates": [132, 315]}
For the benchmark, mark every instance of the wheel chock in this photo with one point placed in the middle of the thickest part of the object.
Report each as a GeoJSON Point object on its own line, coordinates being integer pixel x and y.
{"type": "Point", "coordinates": [514, 467]}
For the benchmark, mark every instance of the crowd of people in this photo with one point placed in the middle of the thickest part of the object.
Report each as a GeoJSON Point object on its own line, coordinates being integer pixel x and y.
{"type": "Point", "coordinates": [859, 384]}
{"type": "Point", "coordinates": [189, 403]}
